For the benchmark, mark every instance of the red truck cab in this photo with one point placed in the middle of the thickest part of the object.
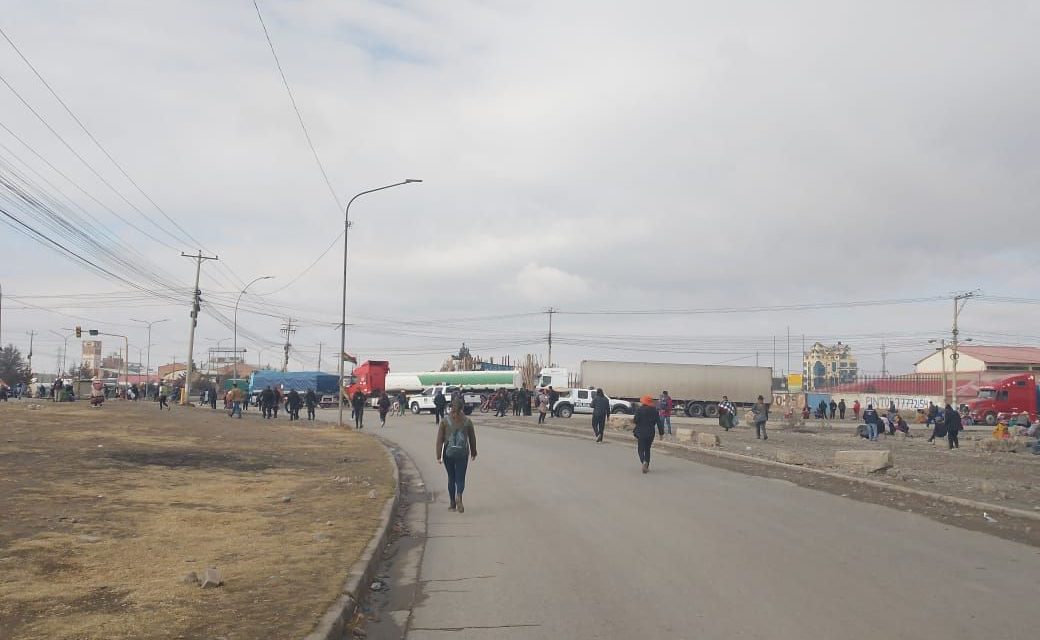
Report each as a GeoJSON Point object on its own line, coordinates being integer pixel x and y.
{"type": "Point", "coordinates": [369, 378]}
{"type": "Point", "coordinates": [1010, 396]}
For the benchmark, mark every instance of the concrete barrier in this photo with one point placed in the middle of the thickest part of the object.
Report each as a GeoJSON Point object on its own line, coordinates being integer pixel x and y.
{"type": "Point", "coordinates": [863, 461]}
{"type": "Point", "coordinates": [683, 434]}
{"type": "Point", "coordinates": [620, 422]}
{"type": "Point", "coordinates": [708, 440]}
{"type": "Point", "coordinates": [790, 457]}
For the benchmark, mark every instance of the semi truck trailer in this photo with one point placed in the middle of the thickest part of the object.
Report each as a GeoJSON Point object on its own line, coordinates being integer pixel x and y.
{"type": "Point", "coordinates": [696, 389]}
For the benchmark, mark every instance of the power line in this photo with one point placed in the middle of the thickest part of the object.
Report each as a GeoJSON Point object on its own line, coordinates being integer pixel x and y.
{"type": "Point", "coordinates": [299, 116]}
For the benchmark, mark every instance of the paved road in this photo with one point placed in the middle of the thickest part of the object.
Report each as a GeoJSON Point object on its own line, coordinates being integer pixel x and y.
{"type": "Point", "coordinates": [564, 538]}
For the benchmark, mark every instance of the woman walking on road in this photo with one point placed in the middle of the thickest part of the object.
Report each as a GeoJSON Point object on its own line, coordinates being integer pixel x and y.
{"type": "Point", "coordinates": [543, 407]}
{"type": "Point", "coordinates": [647, 422]}
{"type": "Point", "coordinates": [456, 446]}
{"type": "Point", "coordinates": [600, 410]}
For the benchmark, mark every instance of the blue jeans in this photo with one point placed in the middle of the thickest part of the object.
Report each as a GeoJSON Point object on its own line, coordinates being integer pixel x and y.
{"type": "Point", "coordinates": [236, 409]}
{"type": "Point", "coordinates": [456, 468]}
{"type": "Point", "coordinates": [666, 424]}
{"type": "Point", "coordinates": [872, 430]}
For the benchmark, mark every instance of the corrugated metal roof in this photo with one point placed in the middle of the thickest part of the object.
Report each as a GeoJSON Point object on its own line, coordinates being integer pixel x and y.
{"type": "Point", "coordinates": [997, 355]}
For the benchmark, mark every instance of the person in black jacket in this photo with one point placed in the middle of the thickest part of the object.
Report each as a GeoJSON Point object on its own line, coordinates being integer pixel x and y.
{"type": "Point", "coordinates": [439, 402]}
{"type": "Point", "coordinates": [871, 419]}
{"type": "Point", "coordinates": [267, 401]}
{"type": "Point", "coordinates": [311, 400]}
{"type": "Point", "coordinates": [953, 426]}
{"type": "Point", "coordinates": [647, 421]}
{"type": "Point", "coordinates": [357, 403]}
{"type": "Point", "coordinates": [554, 397]}
{"type": "Point", "coordinates": [293, 402]}
{"type": "Point", "coordinates": [600, 411]}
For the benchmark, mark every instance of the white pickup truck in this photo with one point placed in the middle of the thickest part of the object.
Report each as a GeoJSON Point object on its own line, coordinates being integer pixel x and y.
{"type": "Point", "coordinates": [580, 401]}
{"type": "Point", "coordinates": [424, 401]}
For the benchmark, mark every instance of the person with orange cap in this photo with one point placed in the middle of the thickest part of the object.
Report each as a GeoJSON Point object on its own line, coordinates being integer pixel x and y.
{"type": "Point", "coordinates": [648, 421]}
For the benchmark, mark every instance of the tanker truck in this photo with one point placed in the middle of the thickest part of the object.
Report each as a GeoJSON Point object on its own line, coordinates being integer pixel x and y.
{"type": "Point", "coordinates": [696, 389]}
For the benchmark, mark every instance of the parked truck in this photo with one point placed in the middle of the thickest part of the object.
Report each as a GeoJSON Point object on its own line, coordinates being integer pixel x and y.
{"type": "Point", "coordinates": [323, 384]}
{"type": "Point", "coordinates": [580, 401]}
{"type": "Point", "coordinates": [1010, 396]}
{"type": "Point", "coordinates": [424, 401]}
{"type": "Point", "coordinates": [696, 389]}
{"type": "Point", "coordinates": [473, 380]}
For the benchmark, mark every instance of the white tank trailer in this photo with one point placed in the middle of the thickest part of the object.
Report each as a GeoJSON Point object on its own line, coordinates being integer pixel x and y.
{"type": "Point", "coordinates": [696, 389]}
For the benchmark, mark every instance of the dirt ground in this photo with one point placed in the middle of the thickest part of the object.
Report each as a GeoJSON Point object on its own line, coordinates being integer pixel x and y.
{"type": "Point", "coordinates": [105, 511]}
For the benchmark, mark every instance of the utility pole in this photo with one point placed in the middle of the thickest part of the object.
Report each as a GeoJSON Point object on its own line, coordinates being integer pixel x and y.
{"type": "Point", "coordinates": [195, 304]}
{"type": "Point", "coordinates": [959, 301]}
{"type": "Point", "coordinates": [32, 334]}
{"type": "Point", "coordinates": [320, 345]}
{"type": "Point", "coordinates": [788, 349]}
{"type": "Point", "coordinates": [288, 330]}
{"type": "Point", "coordinates": [884, 361]}
{"type": "Point", "coordinates": [551, 311]}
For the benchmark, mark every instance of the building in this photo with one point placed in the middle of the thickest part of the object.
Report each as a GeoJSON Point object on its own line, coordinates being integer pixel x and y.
{"type": "Point", "coordinates": [977, 359]}
{"type": "Point", "coordinates": [173, 371]}
{"type": "Point", "coordinates": [92, 354]}
{"type": "Point", "coordinates": [113, 361]}
{"type": "Point", "coordinates": [824, 366]}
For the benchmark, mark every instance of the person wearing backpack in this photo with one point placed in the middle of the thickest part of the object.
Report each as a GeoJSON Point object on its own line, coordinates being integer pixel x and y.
{"type": "Point", "coordinates": [456, 446]}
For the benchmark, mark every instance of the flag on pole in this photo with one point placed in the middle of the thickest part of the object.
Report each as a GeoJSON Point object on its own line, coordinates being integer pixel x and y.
{"type": "Point", "coordinates": [349, 358]}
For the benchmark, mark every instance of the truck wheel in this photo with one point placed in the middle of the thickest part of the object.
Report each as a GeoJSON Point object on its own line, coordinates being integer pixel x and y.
{"type": "Point", "coordinates": [617, 410]}
{"type": "Point", "coordinates": [564, 411]}
{"type": "Point", "coordinates": [415, 408]}
{"type": "Point", "coordinates": [991, 418]}
{"type": "Point", "coordinates": [468, 409]}
{"type": "Point", "coordinates": [711, 411]}
{"type": "Point", "coordinates": [695, 410]}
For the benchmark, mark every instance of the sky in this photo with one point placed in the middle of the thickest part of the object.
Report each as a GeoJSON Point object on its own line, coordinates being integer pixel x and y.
{"type": "Point", "coordinates": [598, 158]}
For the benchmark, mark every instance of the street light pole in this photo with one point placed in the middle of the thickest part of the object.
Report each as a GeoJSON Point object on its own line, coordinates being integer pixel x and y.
{"type": "Point", "coordinates": [241, 293]}
{"type": "Point", "coordinates": [942, 350]}
{"type": "Point", "coordinates": [64, 349]}
{"type": "Point", "coordinates": [343, 315]}
{"type": "Point", "coordinates": [148, 366]}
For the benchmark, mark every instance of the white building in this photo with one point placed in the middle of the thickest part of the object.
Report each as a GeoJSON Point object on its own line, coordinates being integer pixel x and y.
{"type": "Point", "coordinates": [977, 358]}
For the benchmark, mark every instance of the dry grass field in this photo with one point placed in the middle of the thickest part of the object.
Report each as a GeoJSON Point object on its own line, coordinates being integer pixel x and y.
{"type": "Point", "coordinates": [103, 512]}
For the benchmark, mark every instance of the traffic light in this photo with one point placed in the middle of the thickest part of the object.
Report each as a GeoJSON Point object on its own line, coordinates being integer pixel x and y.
{"type": "Point", "coordinates": [79, 332]}
{"type": "Point", "coordinates": [93, 332]}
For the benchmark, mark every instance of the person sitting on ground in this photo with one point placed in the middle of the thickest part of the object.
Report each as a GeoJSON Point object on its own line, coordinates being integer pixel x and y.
{"type": "Point", "coordinates": [1000, 432]}
{"type": "Point", "coordinates": [902, 426]}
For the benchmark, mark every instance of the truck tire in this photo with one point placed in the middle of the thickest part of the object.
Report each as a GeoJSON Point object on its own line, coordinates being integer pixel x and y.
{"type": "Point", "coordinates": [711, 410]}
{"type": "Point", "coordinates": [694, 409]}
{"type": "Point", "coordinates": [617, 410]}
{"type": "Point", "coordinates": [564, 411]}
{"type": "Point", "coordinates": [468, 409]}
{"type": "Point", "coordinates": [415, 408]}
{"type": "Point", "coordinates": [991, 418]}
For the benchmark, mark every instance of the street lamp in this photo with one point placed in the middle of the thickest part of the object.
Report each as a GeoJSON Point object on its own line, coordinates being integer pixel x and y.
{"type": "Point", "coordinates": [64, 349]}
{"type": "Point", "coordinates": [235, 343]}
{"type": "Point", "coordinates": [343, 316]}
{"type": "Point", "coordinates": [941, 349]}
{"type": "Point", "coordinates": [148, 366]}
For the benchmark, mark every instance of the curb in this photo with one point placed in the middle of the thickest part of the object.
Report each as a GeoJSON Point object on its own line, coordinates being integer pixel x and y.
{"type": "Point", "coordinates": [963, 502]}
{"type": "Point", "coordinates": [333, 625]}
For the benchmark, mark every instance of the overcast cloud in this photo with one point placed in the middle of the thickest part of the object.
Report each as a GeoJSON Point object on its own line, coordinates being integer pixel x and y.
{"type": "Point", "coordinates": [580, 155]}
